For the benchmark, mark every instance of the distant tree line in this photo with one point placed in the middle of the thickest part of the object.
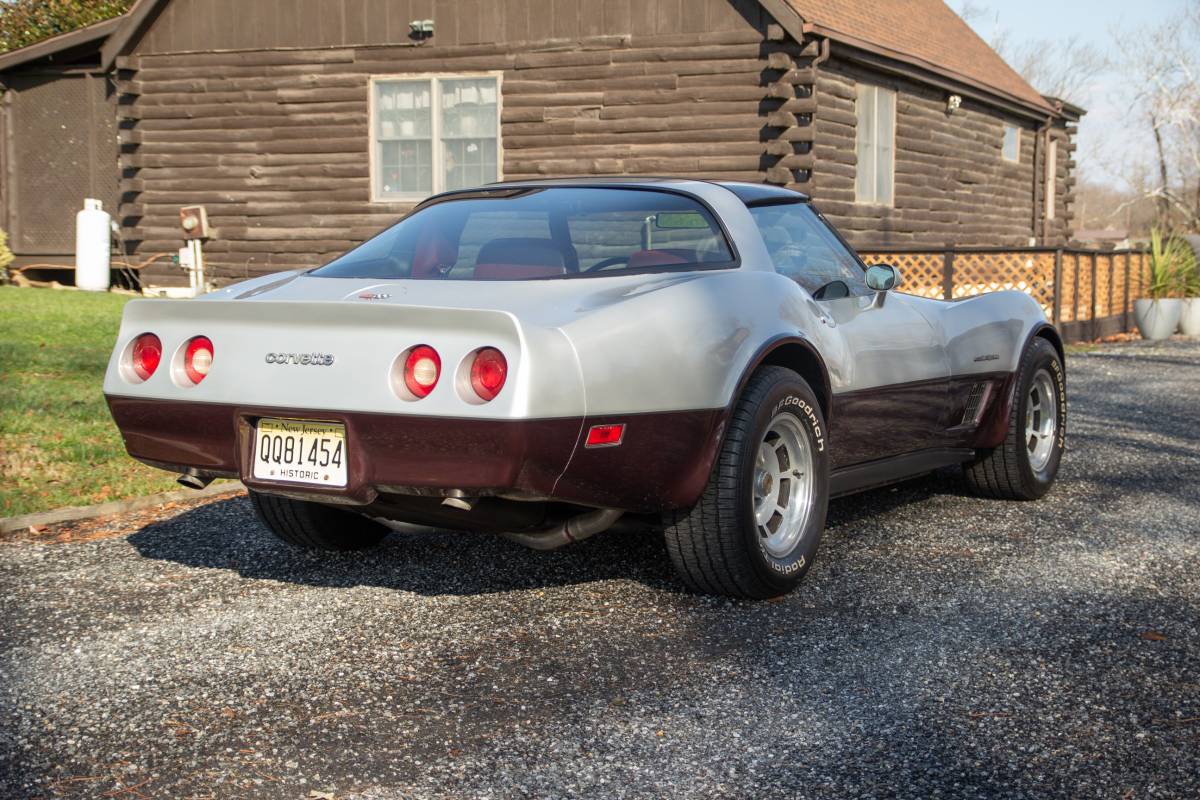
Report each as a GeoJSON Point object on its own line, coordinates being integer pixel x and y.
{"type": "Point", "coordinates": [24, 22]}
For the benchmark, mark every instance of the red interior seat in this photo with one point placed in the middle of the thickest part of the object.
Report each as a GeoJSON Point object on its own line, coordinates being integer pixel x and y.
{"type": "Point", "coordinates": [662, 258]}
{"type": "Point", "coordinates": [434, 252]}
{"type": "Point", "coordinates": [520, 258]}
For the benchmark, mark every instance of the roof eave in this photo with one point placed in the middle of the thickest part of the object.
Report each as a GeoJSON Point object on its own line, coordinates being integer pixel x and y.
{"type": "Point", "coordinates": [131, 24]}
{"type": "Point", "coordinates": [1069, 110]}
{"type": "Point", "coordinates": [938, 75]}
{"type": "Point", "coordinates": [46, 48]}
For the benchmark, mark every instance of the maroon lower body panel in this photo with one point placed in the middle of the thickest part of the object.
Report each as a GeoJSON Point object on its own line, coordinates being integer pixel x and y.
{"type": "Point", "coordinates": [662, 462]}
{"type": "Point", "coordinates": [888, 421]}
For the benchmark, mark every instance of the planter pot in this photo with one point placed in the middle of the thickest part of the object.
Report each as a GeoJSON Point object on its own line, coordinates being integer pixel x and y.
{"type": "Point", "coordinates": [1189, 321]}
{"type": "Point", "coordinates": [1157, 319]}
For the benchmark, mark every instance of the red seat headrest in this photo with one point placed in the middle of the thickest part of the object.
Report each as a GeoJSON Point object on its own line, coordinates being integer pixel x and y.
{"type": "Point", "coordinates": [519, 258]}
{"type": "Point", "coordinates": [434, 253]}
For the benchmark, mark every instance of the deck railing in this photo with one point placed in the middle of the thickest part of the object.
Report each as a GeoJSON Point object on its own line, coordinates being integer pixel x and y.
{"type": "Point", "coordinates": [1086, 293]}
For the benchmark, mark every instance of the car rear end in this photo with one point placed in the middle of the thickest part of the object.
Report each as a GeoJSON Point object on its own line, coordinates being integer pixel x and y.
{"type": "Point", "coordinates": [344, 400]}
{"type": "Point", "coordinates": [442, 358]}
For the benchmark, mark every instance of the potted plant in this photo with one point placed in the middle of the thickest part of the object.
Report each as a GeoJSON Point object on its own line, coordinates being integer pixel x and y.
{"type": "Point", "coordinates": [1189, 320]}
{"type": "Point", "coordinates": [1157, 314]}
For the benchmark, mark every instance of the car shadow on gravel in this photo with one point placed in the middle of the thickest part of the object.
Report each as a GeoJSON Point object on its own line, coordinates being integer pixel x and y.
{"type": "Point", "coordinates": [226, 535]}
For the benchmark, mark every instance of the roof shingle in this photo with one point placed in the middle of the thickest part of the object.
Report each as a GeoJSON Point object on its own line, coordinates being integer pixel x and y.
{"type": "Point", "coordinates": [926, 32]}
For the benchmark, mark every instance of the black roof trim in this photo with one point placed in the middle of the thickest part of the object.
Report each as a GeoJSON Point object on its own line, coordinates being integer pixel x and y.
{"type": "Point", "coordinates": [751, 194]}
{"type": "Point", "coordinates": [763, 194]}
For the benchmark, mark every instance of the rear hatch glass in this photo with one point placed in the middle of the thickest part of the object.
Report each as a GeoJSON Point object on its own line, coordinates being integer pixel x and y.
{"type": "Point", "coordinates": [542, 233]}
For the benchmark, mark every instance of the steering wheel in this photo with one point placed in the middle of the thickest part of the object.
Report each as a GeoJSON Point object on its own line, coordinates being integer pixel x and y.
{"type": "Point", "coordinates": [608, 262]}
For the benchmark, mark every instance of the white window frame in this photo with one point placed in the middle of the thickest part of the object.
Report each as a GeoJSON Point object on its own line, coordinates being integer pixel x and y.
{"type": "Point", "coordinates": [435, 129]}
{"type": "Point", "coordinates": [875, 90]}
{"type": "Point", "coordinates": [1051, 177]}
{"type": "Point", "coordinates": [1016, 158]}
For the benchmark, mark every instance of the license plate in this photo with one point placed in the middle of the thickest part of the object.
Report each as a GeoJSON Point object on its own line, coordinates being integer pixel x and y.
{"type": "Point", "coordinates": [297, 451]}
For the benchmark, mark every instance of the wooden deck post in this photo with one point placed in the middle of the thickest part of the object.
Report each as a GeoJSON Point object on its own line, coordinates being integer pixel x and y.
{"type": "Point", "coordinates": [1125, 301]}
{"type": "Point", "coordinates": [948, 275]}
{"type": "Point", "coordinates": [1075, 298]}
{"type": "Point", "coordinates": [1092, 313]}
{"type": "Point", "coordinates": [1057, 310]}
{"type": "Point", "coordinates": [1112, 274]}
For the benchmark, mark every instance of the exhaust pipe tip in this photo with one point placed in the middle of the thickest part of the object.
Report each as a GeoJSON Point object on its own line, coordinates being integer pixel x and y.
{"type": "Point", "coordinates": [575, 529]}
{"type": "Point", "coordinates": [193, 480]}
{"type": "Point", "coordinates": [456, 498]}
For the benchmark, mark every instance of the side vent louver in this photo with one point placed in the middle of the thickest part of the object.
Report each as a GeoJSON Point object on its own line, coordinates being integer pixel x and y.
{"type": "Point", "coordinates": [974, 404]}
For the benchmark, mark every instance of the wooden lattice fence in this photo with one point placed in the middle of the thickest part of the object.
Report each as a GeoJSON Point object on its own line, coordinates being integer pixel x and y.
{"type": "Point", "coordinates": [1087, 293]}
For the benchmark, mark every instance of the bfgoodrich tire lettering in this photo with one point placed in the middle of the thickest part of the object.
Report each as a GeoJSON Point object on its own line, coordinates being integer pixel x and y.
{"type": "Point", "coordinates": [730, 543]}
{"type": "Point", "coordinates": [314, 526]}
{"type": "Point", "coordinates": [1020, 469]}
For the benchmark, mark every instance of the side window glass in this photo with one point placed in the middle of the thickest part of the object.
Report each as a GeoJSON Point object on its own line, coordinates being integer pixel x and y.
{"type": "Point", "coordinates": [805, 250]}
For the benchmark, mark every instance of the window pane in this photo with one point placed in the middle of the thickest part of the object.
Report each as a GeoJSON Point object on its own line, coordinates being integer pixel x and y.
{"type": "Point", "coordinates": [403, 132]}
{"type": "Point", "coordinates": [469, 123]}
{"type": "Point", "coordinates": [468, 162]}
{"type": "Point", "coordinates": [405, 167]}
{"type": "Point", "coordinates": [1011, 150]}
{"type": "Point", "coordinates": [885, 126]}
{"type": "Point", "coordinates": [468, 108]}
{"type": "Point", "coordinates": [403, 110]}
{"type": "Point", "coordinates": [864, 175]}
{"type": "Point", "coordinates": [803, 249]}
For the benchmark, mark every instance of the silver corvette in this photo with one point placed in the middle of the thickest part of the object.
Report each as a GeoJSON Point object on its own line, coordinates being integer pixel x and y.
{"type": "Point", "coordinates": [540, 359]}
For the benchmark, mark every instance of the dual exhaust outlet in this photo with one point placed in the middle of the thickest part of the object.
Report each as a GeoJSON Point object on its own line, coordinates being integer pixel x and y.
{"type": "Point", "coordinates": [575, 529]}
{"type": "Point", "coordinates": [193, 479]}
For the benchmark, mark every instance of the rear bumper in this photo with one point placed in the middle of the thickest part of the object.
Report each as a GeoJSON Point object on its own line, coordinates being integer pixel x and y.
{"type": "Point", "coordinates": [662, 463]}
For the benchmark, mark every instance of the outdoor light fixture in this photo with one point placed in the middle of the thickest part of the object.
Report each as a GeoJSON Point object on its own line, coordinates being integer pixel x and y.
{"type": "Point", "coordinates": [953, 102]}
{"type": "Point", "coordinates": [421, 28]}
{"type": "Point", "coordinates": [194, 221]}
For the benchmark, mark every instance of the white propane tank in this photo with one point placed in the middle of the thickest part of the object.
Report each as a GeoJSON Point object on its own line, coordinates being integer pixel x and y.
{"type": "Point", "coordinates": [92, 247]}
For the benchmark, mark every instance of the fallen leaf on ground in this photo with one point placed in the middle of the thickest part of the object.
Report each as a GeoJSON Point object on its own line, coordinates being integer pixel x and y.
{"type": "Point", "coordinates": [1152, 636]}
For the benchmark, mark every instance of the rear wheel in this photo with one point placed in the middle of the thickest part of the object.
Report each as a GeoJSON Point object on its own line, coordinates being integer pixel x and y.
{"type": "Point", "coordinates": [757, 526]}
{"type": "Point", "coordinates": [1025, 465]}
{"type": "Point", "coordinates": [314, 526]}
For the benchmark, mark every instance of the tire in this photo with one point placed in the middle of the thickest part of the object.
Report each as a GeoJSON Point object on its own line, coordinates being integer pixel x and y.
{"type": "Point", "coordinates": [717, 546]}
{"type": "Point", "coordinates": [314, 526]}
{"type": "Point", "coordinates": [1020, 469]}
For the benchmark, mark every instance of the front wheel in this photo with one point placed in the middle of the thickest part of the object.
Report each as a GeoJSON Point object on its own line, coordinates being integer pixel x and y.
{"type": "Point", "coordinates": [1025, 465]}
{"type": "Point", "coordinates": [757, 526]}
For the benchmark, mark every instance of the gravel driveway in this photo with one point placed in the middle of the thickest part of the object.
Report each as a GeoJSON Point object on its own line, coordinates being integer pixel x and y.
{"type": "Point", "coordinates": [941, 645]}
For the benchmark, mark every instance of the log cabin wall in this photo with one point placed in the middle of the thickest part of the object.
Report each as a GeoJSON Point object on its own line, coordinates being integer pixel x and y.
{"type": "Point", "coordinates": [1058, 230]}
{"type": "Point", "coordinates": [260, 110]}
{"type": "Point", "coordinates": [952, 187]}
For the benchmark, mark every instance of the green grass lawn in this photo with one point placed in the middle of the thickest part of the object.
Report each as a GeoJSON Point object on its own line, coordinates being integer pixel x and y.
{"type": "Point", "coordinates": [58, 444]}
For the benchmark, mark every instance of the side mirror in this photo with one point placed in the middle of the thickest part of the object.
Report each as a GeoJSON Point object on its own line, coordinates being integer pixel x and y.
{"type": "Point", "coordinates": [882, 277]}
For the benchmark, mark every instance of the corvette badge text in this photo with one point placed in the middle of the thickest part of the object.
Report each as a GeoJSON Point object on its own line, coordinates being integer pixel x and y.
{"type": "Point", "coordinates": [302, 359]}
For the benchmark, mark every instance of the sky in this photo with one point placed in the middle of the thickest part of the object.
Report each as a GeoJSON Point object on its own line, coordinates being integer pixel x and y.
{"type": "Point", "coordinates": [1106, 130]}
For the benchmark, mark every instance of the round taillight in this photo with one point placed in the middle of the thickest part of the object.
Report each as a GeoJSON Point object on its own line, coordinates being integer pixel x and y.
{"type": "Point", "coordinates": [422, 369]}
{"type": "Point", "coordinates": [489, 370]}
{"type": "Point", "coordinates": [197, 358]}
{"type": "Point", "coordinates": [145, 355]}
